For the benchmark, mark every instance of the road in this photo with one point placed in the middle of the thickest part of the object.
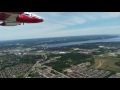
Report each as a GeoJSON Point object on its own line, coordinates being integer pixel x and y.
{"type": "Point", "coordinates": [100, 64]}
{"type": "Point", "coordinates": [32, 68]}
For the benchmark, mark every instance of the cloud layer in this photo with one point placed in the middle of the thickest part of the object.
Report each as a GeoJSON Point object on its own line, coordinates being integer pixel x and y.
{"type": "Point", "coordinates": [65, 24]}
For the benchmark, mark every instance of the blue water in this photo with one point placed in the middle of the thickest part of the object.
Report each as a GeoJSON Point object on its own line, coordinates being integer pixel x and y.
{"type": "Point", "coordinates": [83, 42]}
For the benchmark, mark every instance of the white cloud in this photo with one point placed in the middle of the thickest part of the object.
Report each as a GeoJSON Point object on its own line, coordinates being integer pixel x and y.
{"type": "Point", "coordinates": [67, 19]}
{"type": "Point", "coordinates": [86, 31]}
{"type": "Point", "coordinates": [101, 15]}
{"type": "Point", "coordinates": [58, 24]}
{"type": "Point", "coordinates": [108, 15]}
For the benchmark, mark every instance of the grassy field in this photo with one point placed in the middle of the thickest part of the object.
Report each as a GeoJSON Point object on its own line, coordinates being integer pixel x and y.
{"type": "Point", "coordinates": [106, 63]}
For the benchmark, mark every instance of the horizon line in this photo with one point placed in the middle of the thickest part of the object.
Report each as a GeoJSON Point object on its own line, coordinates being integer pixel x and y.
{"type": "Point", "coordinates": [56, 37]}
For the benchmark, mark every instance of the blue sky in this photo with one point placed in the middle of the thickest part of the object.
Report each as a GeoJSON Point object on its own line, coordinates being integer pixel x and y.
{"type": "Point", "coordinates": [59, 24]}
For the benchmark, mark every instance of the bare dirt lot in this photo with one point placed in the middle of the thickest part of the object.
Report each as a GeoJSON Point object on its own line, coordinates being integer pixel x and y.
{"type": "Point", "coordinates": [106, 63]}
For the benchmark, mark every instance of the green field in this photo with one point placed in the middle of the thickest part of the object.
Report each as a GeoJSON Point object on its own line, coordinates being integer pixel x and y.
{"type": "Point", "coordinates": [106, 63]}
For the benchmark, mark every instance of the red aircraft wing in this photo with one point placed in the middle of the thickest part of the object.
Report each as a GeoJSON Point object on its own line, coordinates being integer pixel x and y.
{"type": "Point", "coordinates": [9, 16]}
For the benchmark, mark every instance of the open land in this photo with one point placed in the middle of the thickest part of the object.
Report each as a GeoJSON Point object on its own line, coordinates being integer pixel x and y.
{"type": "Point", "coordinates": [40, 58]}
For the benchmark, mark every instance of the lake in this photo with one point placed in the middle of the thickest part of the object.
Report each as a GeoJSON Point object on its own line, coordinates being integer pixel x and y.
{"type": "Point", "coordinates": [83, 42]}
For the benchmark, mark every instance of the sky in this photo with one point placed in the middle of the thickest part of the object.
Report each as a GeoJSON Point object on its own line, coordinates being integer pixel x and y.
{"type": "Point", "coordinates": [59, 24]}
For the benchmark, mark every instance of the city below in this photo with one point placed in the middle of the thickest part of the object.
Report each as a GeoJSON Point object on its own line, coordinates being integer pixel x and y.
{"type": "Point", "coordinates": [92, 56]}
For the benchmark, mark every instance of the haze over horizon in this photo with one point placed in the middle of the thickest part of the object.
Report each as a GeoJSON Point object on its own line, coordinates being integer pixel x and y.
{"type": "Point", "coordinates": [60, 24]}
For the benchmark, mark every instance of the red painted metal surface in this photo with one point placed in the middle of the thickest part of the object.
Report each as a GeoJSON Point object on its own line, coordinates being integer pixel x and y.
{"type": "Point", "coordinates": [27, 19]}
{"type": "Point", "coordinates": [21, 18]}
